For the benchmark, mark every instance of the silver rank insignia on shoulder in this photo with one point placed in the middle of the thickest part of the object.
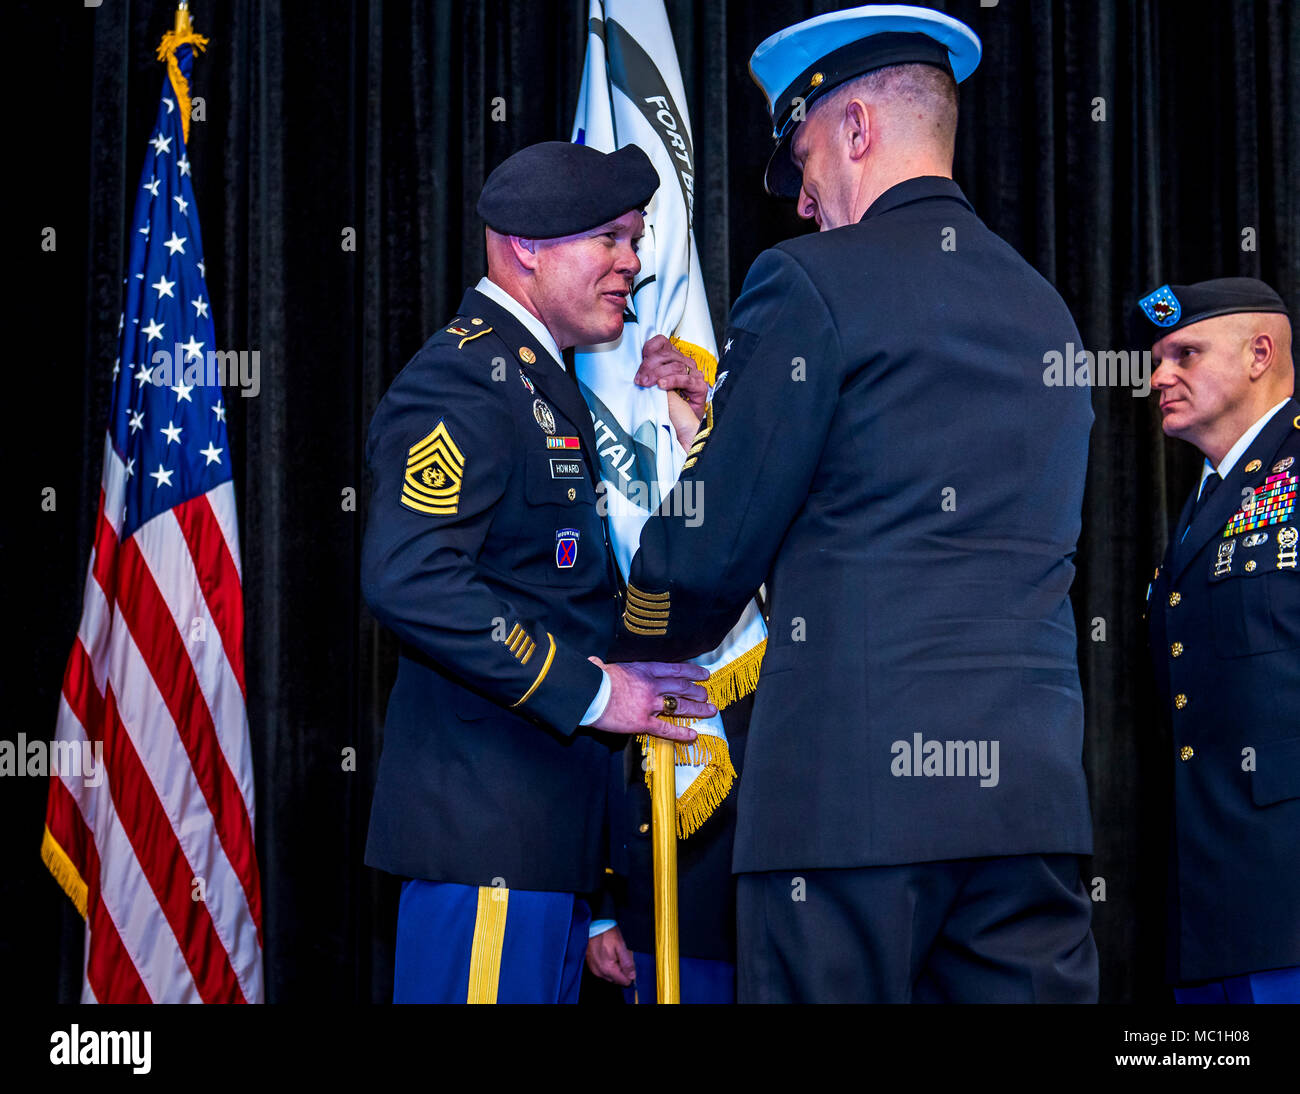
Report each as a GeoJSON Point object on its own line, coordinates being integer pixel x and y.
{"type": "Point", "coordinates": [1224, 564]}
{"type": "Point", "coordinates": [1283, 465]}
{"type": "Point", "coordinates": [435, 468]}
{"type": "Point", "coordinates": [544, 417]}
{"type": "Point", "coordinates": [1286, 548]}
{"type": "Point", "coordinates": [566, 547]}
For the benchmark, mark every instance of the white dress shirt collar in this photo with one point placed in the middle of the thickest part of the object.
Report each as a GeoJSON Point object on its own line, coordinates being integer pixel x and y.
{"type": "Point", "coordinates": [1237, 450]}
{"type": "Point", "coordinates": [535, 326]}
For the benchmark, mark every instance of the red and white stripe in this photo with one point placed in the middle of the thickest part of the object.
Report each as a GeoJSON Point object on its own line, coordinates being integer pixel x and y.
{"type": "Point", "coordinates": [164, 843]}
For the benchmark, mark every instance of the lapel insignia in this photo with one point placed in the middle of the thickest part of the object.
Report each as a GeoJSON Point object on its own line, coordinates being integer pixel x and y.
{"type": "Point", "coordinates": [1286, 548]}
{"type": "Point", "coordinates": [566, 548]}
{"type": "Point", "coordinates": [563, 442]}
{"type": "Point", "coordinates": [1254, 466]}
{"type": "Point", "coordinates": [1282, 465]}
{"type": "Point", "coordinates": [544, 417]}
{"type": "Point", "coordinates": [435, 468]}
{"type": "Point", "coordinates": [526, 355]}
{"type": "Point", "coordinates": [527, 383]}
{"type": "Point", "coordinates": [1268, 504]}
{"type": "Point", "coordinates": [1224, 564]}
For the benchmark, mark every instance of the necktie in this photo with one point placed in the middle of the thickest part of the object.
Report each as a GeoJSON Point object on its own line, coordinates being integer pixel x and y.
{"type": "Point", "coordinates": [1212, 482]}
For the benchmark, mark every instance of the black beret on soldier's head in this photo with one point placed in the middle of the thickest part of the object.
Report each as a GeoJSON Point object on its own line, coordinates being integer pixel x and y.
{"type": "Point", "coordinates": [1172, 307]}
{"type": "Point", "coordinates": [559, 189]}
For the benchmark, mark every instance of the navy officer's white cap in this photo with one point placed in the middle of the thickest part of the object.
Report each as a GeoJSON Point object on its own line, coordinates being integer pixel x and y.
{"type": "Point", "coordinates": [806, 61]}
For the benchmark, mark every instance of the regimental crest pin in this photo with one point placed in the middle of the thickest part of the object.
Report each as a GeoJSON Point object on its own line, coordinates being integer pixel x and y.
{"type": "Point", "coordinates": [544, 417]}
{"type": "Point", "coordinates": [1283, 465]}
{"type": "Point", "coordinates": [566, 547]}
{"type": "Point", "coordinates": [1161, 307]}
{"type": "Point", "coordinates": [527, 383]}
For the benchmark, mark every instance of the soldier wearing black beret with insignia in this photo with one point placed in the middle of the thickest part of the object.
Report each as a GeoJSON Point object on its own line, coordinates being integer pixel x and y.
{"type": "Point", "coordinates": [486, 554]}
{"type": "Point", "coordinates": [884, 453]}
{"type": "Point", "coordinates": [1224, 627]}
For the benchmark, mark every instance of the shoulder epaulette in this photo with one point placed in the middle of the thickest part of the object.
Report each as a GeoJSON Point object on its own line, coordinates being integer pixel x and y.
{"type": "Point", "coordinates": [475, 329]}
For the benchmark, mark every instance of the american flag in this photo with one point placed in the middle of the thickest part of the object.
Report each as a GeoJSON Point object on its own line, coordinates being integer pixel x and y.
{"type": "Point", "coordinates": [159, 856]}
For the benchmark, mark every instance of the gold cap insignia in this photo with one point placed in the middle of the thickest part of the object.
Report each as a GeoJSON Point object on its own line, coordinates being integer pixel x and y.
{"type": "Point", "coordinates": [526, 355]}
{"type": "Point", "coordinates": [435, 468]}
{"type": "Point", "coordinates": [816, 80]}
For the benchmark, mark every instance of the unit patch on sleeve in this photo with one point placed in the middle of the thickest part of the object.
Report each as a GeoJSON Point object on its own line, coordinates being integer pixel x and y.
{"type": "Point", "coordinates": [435, 468]}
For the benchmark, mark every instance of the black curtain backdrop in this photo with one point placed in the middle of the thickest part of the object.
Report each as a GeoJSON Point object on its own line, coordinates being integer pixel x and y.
{"type": "Point", "coordinates": [322, 117]}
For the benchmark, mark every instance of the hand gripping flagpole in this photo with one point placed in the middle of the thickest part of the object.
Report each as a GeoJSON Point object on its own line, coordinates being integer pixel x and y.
{"type": "Point", "coordinates": [663, 834]}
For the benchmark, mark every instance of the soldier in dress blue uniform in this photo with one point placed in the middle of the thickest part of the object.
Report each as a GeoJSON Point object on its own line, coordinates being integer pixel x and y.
{"type": "Point", "coordinates": [884, 453]}
{"type": "Point", "coordinates": [1224, 618]}
{"type": "Point", "coordinates": [486, 554]}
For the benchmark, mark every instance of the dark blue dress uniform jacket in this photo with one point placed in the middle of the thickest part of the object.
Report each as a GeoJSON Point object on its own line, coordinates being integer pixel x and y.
{"type": "Point", "coordinates": [1225, 643]}
{"type": "Point", "coordinates": [886, 455]}
{"type": "Point", "coordinates": [485, 776]}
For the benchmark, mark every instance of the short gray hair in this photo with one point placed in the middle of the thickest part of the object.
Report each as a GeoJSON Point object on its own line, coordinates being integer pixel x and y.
{"type": "Point", "coordinates": [930, 89]}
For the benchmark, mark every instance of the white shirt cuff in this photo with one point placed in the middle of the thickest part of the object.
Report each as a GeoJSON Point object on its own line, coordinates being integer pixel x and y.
{"type": "Point", "coordinates": [599, 703]}
{"type": "Point", "coordinates": [600, 926]}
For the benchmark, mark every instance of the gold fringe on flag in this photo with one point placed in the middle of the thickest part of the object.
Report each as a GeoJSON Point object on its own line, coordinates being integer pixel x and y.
{"type": "Point", "coordinates": [183, 34]}
{"type": "Point", "coordinates": [704, 360]}
{"type": "Point", "coordinates": [711, 786]}
{"type": "Point", "coordinates": [57, 861]}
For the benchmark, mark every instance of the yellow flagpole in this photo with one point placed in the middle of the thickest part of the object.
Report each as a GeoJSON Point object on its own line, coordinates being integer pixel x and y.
{"type": "Point", "coordinates": [663, 820]}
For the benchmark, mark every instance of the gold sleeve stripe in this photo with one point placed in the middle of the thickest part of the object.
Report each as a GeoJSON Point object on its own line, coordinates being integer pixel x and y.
{"type": "Point", "coordinates": [409, 500]}
{"type": "Point", "coordinates": [647, 615]}
{"type": "Point", "coordinates": [516, 629]}
{"type": "Point", "coordinates": [634, 593]}
{"type": "Point", "coordinates": [489, 939]}
{"type": "Point", "coordinates": [531, 647]}
{"type": "Point", "coordinates": [426, 446]}
{"type": "Point", "coordinates": [471, 337]}
{"type": "Point", "coordinates": [546, 667]}
{"type": "Point", "coordinates": [635, 629]}
{"type": "Point", "coordinates": [518, 641]}
{"type": "Point", "coordinates": [689, 463]}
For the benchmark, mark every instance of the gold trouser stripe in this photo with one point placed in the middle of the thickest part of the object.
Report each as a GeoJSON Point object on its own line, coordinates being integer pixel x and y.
{"type": "Point", "coordinates": [489, 935]}
{"type": "Point", "coordinates": [546, 667]}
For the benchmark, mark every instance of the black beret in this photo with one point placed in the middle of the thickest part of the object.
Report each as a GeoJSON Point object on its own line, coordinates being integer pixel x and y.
{"type": "Point", "coordinates": [559, 189]}
{"type": "Point", "coordinates": [1172, 307]}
